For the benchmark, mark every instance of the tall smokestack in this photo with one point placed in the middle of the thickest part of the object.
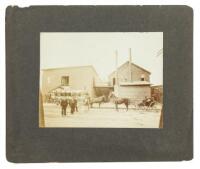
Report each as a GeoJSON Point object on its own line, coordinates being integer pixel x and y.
{"type": "Point", "coordinates": [116, 67]}
{"type": "Point", "coordinates": [130, 63]}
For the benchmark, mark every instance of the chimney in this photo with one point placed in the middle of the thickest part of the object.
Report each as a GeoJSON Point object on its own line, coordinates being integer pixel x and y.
{"type": "Point", "coordinates": [116, 66]}
{"type": "Point", "coordinates": [130, 63]}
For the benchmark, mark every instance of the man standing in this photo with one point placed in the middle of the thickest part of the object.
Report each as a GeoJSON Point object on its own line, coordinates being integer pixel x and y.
{"type": "Point", "coordinates": [63, 104]}
{"type": "Point", "coordinates": [73, 105]}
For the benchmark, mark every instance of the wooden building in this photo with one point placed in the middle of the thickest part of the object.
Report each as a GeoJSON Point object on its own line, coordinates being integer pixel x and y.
{"type": "Point", "coordinates": [137, 73]}
{"type": "Point", "coordinates": [130, 81]}
{"type": "Point", "coordinates": [75, 78]}
{"type": "Point", "coordinates": [127, 81]}
{"type": "Point", "coordinates": [157, 92]}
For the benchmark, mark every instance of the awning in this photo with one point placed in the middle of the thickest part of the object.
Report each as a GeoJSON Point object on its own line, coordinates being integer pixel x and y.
{"type": "Point", "coordinates": [135, 83]}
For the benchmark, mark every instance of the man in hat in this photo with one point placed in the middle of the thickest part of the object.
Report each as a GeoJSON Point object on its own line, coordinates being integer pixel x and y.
{"type": "Point", "coordinates": [64, 104]}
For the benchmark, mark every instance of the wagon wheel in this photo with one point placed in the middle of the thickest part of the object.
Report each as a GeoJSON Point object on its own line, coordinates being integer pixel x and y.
{"type": "Point", "coordinates": [152, 105]}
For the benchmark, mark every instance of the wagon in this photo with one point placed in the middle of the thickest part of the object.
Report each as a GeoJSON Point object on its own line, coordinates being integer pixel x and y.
{"type": "Point", "coordinates": [147, 103]}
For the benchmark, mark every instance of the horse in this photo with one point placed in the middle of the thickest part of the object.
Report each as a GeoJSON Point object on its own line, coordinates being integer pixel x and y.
{"type": "Point", "coordinates": [118, 100]}
{"type": "Point", "coordinates": [98, 100]}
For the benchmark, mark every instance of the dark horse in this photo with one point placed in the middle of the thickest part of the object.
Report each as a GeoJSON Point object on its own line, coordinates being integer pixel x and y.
{"type": "Point", "coordinates": [98, 100]}
{"type": "Point", "coordinates": [118, 100]}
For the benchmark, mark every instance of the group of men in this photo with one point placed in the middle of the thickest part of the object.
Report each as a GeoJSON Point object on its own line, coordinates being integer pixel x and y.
{"type": "Point", "coordinates": [72, 103]}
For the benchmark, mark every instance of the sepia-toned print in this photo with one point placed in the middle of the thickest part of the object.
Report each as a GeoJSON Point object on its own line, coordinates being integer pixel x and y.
{"type": "Point", "coordinates": [101, 80]}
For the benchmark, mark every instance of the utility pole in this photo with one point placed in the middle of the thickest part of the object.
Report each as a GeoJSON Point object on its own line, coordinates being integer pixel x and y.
{"type": "Point", "coordinates": [130, 65]}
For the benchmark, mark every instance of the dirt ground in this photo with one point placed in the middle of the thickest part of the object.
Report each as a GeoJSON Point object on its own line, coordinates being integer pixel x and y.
{"type": "Point", "coordinates": [104, 117]}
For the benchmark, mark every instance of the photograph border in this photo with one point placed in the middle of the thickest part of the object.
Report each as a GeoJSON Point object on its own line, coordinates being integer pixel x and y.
{"type": "Point", "coordinates": [26, 142]}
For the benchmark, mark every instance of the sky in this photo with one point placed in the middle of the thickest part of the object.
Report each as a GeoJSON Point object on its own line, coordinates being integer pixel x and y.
{"type": "Point", "coordinates": [61, 49]}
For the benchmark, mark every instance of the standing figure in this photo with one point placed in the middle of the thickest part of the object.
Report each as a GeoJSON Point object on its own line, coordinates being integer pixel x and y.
{"type": "Point", "coordinates": [73, 105]}
{"type": "Point", "coordinates": [64, 104]}
{"type": "Point", "coordinates": [87, 102]}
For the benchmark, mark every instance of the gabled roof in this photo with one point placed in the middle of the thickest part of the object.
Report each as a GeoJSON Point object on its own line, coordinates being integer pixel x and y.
{"type": "Point", "coordinates": [72, 67]}
{"type": "Point", "coordinates": [133, 64]}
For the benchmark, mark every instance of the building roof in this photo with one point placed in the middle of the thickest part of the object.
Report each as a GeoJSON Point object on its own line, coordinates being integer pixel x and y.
{"type": "Point", "coordinates": [157, 86]}
{"type": "Point", "coordinates": [135, 83]}
{"type": "Point", "coordinates": [133, 64]}
{"type": "Point", "coordinates": [69, 67]}
{"type": "Point", "coordinates": [72, 67]}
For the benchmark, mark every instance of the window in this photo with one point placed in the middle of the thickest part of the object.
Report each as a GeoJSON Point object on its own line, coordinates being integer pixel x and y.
{"type": "Point", "coordinates": [65, 80]}
{"type": "Point", "coordinates": [142, 77]}
{"type": "Point", "coordinates": [114, 81]}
